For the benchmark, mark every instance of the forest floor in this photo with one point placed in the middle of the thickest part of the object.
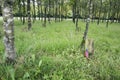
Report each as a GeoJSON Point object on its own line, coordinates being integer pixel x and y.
{"type": "Point", "coordinates": [52, 52]}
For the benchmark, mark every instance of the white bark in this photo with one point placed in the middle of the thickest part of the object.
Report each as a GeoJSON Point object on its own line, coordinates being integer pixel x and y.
{"type": "Point", "coordinates": [8, 27]}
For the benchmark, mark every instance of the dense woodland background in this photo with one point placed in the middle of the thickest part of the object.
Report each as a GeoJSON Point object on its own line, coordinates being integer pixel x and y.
{"type": "Point", "coordinates": [62, 9]}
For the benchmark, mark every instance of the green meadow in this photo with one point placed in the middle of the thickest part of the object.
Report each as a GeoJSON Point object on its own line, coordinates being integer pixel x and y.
{"type": "Point", "coordinates": [53, 53]}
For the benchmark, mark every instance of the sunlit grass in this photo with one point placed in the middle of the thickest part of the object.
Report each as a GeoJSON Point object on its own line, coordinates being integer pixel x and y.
{"type": "Point", "coordinates": [52, 53]}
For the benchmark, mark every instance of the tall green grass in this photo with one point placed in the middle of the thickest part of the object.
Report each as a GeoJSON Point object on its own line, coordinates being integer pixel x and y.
{"type": "Point", "coordinates": [52, 53]}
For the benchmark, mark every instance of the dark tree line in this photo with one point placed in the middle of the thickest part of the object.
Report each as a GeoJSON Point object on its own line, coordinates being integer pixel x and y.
{"type": "Point", "coordinates": [47, 10]}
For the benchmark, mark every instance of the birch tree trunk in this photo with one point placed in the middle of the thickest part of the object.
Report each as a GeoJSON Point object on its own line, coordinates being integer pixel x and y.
{"type": "Point", "coordinates": [109, 11]}
{"type": "Point", "coordinates": [74, 11]}
{"type": "Point", "coordinates": [29, 16]}
{"type": "Point", "coordinates": [56, 9]}
{"type": "Point", "coordinates": [77, 14]}
{"type": "Point", "coordinates": [20, 13]}
{"type": "Point", "coordinates": [41, 10]}
{"type": "Point", "coordinates": [24, 11]}
{"type": "Point", "coordinates": [49, 10]}
{"type": "Point", "coordinates": [99, 12]}
{"type": "Point", "coordinates": [8, 27]}
{"type": "Point", "coordinates": [34, 14]}
{"type": "Point", "coordinates": [45, 10]}
{"type": "Point", "coordinates": [38, 5]}
{"type": "Point", "coordinates": [87, 25]}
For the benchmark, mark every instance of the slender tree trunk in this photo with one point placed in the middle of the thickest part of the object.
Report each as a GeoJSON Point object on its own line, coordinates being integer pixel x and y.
{"type": "Point", "coordinates": [93, 10]}
{"type": "Point", "coordinates": [8, 26]}
{"type": "Point", "coordinates": [49, 2]}
{"type": "Point", "coordinates": [104, 14]}
{"type": "Point", "coordinates": [20, 13]}
{"type": "Point", "coordinates": [113, 13]}
{"type": "Point", "coordinates": [23, 11]}
{"type": "Point", "coordinates": [34, 12]}
{"type": "Point", "coordinates": [87, 26]}
{"type": "Point", "coordinates": [59, 10]}
{"type": "Point", "coordinates": [29, 16]}
{"type": "Point", "coordinates": [45, 10]}
{"type": "Point", "coordinates": [56, 11]}
{"type": "Point", "coordinates": [66, 14]}
{"type": "Point", "coordinates": [73, 11]}
{"type": "Point", "coordinates": [0, 7]}
{"type": "Point", "coordinates": [109, 11]}
{"type": "Point", "coordinates": [107, 20]}
{"type": "Point", "coordinates": [117, 13]}
{"type": "Point", "coordinates": [38, 5]}
{"type": "Point", "coordinates": [99, 12]}
{"type": "Point", "coordinates": [41, 11]}
{"type": "Point", "coordinates": [77, 28]}
{"type": "Point", "coordinates": [119, 19]}
{"type": "Point", "coordinates": [53, 13]}
{"type": "Point", "coordinates": [77, 15]}
{"type": "Point", "coordinates": [62, 2]}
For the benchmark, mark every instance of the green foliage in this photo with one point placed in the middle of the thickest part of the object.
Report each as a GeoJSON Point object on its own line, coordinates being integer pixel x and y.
{"type": "Point", "coordinates": [52, 53]}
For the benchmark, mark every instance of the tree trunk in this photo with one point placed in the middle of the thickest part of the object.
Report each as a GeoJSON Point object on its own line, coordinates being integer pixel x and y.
{"type": "Point", "coordinates": [73, 11]}
{"type": "Point", "coordinates": [56, 11]}
{"type": "Point", "coordinates": [93, 11]}
{"type": "Point", "coordinates": [62, 3]}
{"type": "Point", "coordinates": [23, 11]}
{"type": "Point", "coordinates": [38, 5]}
{"type": "Point", "coordinates": [87, 26]}
{"type": "Point", "coordinates": [107, 21]}
{"type": "Point", "coordinates": [109, 11]}
{"type": "Point", "coordinates": [59, 10]}
{"type": "Point", "coordinates": [77, 28]}
{"type": "Point", "coordinates": [20, 14]}
{"type": "Point", "coordinates": [49, 3]}
{"type": "Point", "coordinates": [41, 10]}
{"type": "Point", "coordinates": [77, 14]}
{"type": "Point", "coordinates": [99, 13]}
{"type": "Point", "coordinates": [29, 16]}
{"type": "Point", "coordinates": [34, 14]}
{"type": "Point", "coordinates": [45, 10]}
{"type": "Point", "coordinates": [8, 26]}
{"type": "Point", "coordinates": [0, 7]}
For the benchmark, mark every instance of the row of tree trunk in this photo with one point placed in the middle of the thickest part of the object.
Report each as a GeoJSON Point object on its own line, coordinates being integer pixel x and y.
{"type": "Point", "coordinates": [44, 10]}
{"type": "Point", "coordinates": [47, 9]}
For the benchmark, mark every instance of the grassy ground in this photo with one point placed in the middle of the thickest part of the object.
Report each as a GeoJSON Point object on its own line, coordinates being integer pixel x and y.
{"type": "Point", "coordinates": [52, 53]}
